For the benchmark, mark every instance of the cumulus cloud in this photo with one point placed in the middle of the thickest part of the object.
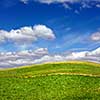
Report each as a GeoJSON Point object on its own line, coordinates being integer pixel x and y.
{"type": "Point", "coordinates": [41, 55]}
{"type": "Point", "coordinates": [95, 53]}
{"type": "Point", "coordinates": [85, 55]}
{"type": "Point", "coordinates": [27, 34]}
{"type": "Point", "coordinates": [13, 59]}
{"type": "Point", "coordinates": [95, 36]}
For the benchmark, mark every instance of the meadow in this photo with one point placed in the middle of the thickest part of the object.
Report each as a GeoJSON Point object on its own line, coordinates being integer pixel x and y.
{"type": "Point", "coordinates": [73, 80]}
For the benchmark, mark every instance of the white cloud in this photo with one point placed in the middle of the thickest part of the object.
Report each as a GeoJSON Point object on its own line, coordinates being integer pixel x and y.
{"type": "Point", "coordinates": [67, 1]}
{"type": "Point", "coordinates": [95, 52]}
{"type": "Point", "coordinates": [66, 6]}
{"type": "Point", "coordinates": [50, 58]}
{"type": "Point", "coordinates": [13, 59]}
{"type": "Point", "coordinates": [85, 55]}
{"type": "Point", "coordinates": [98, 5]}
{"type": "Point", "coordinates": [42, 31]}
{"type": "Point", "coordinates": [95, 36]}
{"type": "Point", "coordinates": [79, 54]}
{"type": "Point", "coordinates": [57, 1]}
{"type": "Point", "coordinates": [84, 3]}
{"type": "Point", "coordinates": [24, 1]}
{"type": "Point", "coordinates": [41, 55]}
{"type": "Point", "coordinates": [27, 34]}
{"type": "Point", "coordinates": [77, 12]}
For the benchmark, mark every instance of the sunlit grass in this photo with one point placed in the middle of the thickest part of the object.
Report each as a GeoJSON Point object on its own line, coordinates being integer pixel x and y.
{"type": "Point", "coordinates": [73, 80]}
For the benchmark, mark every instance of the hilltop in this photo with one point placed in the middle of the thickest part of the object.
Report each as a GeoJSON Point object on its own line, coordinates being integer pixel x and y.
{"type": "Point", "coordinates": [73, 80]}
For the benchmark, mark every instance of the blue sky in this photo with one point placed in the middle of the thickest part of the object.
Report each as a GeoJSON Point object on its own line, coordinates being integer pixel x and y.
{"type": "Point", "coordinates": [72, 23]}
{"type": "Point", "coordinates": [38, 31]}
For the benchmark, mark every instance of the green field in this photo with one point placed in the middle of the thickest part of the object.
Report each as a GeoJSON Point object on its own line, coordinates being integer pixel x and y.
{"type": "Point", "coordinates": [51, 81]}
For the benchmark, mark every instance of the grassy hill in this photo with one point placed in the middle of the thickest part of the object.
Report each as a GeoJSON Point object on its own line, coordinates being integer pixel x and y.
{"type": "Point", "coordinates": [52, 81]}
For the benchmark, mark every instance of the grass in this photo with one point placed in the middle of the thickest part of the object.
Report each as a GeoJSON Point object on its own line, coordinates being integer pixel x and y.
{"type": "Point", "coordinates": [51, 81]}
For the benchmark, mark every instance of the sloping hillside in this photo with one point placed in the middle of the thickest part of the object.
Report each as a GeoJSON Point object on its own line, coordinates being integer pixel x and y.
{"type": "Point", "coordinates": [51, 81]}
